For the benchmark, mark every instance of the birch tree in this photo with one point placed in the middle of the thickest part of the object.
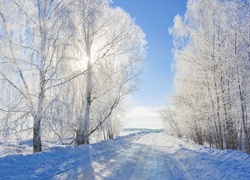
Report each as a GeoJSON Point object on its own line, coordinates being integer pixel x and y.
{"type": "Point", "coordinates": [35, 35]}
{"type": "Point", "coordinates": [103, 34]}
{"type": "Point", "coordinates": [60, 60]}
{"type": "Point", "coordinates": [211, 71]}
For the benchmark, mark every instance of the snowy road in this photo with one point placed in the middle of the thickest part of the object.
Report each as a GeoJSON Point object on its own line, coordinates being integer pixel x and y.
{"type": "Point", "coordinates": [146, 158]}
{"type": "Point", "coordinates": [158, 156]}
{"type": "Point", "coordinates": [143, 156]}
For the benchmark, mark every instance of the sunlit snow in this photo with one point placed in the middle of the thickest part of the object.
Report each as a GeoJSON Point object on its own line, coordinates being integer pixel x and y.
{"type": "Point", "coordinates": [153, 155]}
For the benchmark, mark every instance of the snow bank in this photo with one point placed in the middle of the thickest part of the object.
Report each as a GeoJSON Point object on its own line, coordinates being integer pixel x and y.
{"type": "Point", "coordinates": [154, 155]}
{"type": "Point", "coordinates": [45, 165]}
{"type": "Point", "coordinates": [207, 163]}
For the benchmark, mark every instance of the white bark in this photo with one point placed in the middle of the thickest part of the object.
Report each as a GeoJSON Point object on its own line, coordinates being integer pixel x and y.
{"type": "Point", "coordinates": [211, 68]}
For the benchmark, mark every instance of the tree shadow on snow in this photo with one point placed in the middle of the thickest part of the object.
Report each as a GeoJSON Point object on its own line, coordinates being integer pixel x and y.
{"type": "Point", "coordinates": [77, 167]}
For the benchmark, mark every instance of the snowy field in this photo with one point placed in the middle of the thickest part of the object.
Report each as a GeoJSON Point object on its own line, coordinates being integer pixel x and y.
{"type": "Point", "coordinates": [137, 156]}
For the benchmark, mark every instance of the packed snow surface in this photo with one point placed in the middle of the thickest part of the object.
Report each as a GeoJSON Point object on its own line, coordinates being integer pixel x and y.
{"type": "Point", "coordinates": [141, 156]}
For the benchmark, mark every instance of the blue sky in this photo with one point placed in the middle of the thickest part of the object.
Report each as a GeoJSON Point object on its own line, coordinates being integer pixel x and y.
{"type": "Point", "coordinates": [155, 17]}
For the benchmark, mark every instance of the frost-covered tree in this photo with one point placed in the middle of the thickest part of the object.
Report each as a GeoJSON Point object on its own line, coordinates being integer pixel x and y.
{"type": "Point", "coordinates": [106, 38]}
{"type": "Point", "coordinates": [211, 72]}
{"type": "Point", "coordinates": [34, 36]}
{"type": "Point", "coordinates": [65, 67]}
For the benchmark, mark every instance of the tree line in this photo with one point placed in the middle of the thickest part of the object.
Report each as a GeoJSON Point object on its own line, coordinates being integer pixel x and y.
{"type": "Point", "coordinates": [211, 100]}
{"type": "Point", "coordinates": [65, 68]}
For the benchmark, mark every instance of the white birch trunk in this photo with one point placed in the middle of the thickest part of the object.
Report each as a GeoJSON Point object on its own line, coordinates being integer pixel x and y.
{"type": "Point", "coordinates": [82, 136]}
{"type": "Point", "coordinates": [37, 144]}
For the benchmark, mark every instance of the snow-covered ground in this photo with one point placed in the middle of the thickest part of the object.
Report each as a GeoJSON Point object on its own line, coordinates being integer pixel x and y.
{"type": "Point", "coordinates": [138, 156]}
